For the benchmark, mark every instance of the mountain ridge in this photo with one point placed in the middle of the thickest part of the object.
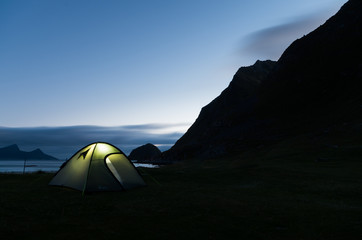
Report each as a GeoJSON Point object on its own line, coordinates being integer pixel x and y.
{"type": "Point", "coordinates": [315, 84]}
{"type": "Point", "coordinates": [13, 152]}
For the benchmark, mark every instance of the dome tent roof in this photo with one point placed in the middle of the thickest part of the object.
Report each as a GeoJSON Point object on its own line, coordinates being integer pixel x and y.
{"type": "Point", "coordinates": [98, 167]}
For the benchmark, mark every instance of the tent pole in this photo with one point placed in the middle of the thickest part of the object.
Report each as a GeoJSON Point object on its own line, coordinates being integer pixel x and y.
{"type": "Point", "coordinates": [24, 166]}
{"type": "Point", "coordinates": [86, 180]}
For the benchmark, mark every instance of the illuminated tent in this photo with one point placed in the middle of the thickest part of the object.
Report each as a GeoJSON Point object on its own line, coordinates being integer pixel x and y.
{"type": "Point", "coordinates": [98, 167]}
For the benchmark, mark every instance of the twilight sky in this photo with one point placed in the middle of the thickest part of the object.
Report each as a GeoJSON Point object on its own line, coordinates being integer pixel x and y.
{"type": "Point", "coordinates": [136, 62]}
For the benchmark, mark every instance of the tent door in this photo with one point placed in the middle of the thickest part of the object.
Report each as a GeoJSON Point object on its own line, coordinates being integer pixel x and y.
{"type": "Point", "coordinates": [113, 170]}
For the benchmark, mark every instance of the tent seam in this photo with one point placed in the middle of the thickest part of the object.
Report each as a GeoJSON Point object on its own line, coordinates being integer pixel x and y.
{"type": "Point", "coordinates": [90, 162]}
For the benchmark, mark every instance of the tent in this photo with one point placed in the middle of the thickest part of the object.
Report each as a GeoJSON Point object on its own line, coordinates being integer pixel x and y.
{"type": "Point", "coordinates": [98, 167]}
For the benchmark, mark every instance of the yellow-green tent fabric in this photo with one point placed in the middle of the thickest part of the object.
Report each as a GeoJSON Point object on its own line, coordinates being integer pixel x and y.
{"type": "Point", "coordinates": [98, 167]}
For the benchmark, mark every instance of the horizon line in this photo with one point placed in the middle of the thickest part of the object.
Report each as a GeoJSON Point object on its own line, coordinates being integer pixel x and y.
{"type": "Point", "coordinates": [151, 125]}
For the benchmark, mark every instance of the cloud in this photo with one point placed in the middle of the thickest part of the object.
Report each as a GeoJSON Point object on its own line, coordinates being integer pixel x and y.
{"type": "Point", "coordinates": [64, 141]}
{"type": "Point", "coordinates": [156, 126]}
{"type": "Point", "coordinates": [270, 42]}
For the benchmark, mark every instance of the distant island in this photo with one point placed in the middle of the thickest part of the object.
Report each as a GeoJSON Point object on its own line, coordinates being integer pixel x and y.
{"type": "Point", "coordinates": [147, 152]}
{"type": "Point", "coordinates": [13, 152]}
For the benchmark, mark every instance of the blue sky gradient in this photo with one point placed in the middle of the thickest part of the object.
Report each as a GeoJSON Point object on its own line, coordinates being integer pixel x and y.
{"type": "Point", "coordinates": [114, 63]}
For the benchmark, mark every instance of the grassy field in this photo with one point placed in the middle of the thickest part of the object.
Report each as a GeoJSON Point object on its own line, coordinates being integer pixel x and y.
{"type": "Point", "coordinates": [286, 191]}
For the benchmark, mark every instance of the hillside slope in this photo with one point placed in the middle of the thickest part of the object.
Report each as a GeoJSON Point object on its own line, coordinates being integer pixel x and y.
{"type": "Point", "coordinates": [315, 84]}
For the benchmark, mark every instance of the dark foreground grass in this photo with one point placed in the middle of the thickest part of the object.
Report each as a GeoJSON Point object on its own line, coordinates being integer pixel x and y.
{"type": "Point", "coordinates": [288, 191]}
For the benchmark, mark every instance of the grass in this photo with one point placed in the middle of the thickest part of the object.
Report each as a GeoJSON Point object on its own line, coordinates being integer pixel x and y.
{"type": "Point", "coordinates": [275, 192]}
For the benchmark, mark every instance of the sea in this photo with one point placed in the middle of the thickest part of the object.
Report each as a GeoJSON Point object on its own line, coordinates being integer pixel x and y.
{"type": "Point", "coordinates": [31, 166]}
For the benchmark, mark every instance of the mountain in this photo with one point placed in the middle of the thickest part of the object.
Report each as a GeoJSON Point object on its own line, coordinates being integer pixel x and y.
{"type": "Point", "coordinates": [13, 152]}
{"type": "Point", "coordinates": [321, 71]}
{"type": "Point", "coordinates": [223, 120]}
{"type": "Point", "coordinates": [145, 152]}
{"type": "Point", "coordinates": [315, 84]}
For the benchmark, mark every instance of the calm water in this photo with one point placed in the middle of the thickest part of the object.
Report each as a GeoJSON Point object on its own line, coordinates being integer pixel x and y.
{"type": "Point", "coordinates": [17, 166]}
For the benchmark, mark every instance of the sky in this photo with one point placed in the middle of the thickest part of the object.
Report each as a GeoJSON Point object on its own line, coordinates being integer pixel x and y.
{"type": "Point", "coordinates": [67, 63]}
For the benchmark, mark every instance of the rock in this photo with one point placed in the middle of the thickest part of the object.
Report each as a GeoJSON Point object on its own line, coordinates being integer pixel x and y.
{"type": "Point", "coordinates": [147, 152]}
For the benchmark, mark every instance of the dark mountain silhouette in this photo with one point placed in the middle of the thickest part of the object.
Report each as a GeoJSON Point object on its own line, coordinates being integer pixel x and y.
{"type": "Point", "coordinates": [316, 83]}
{"type": "Point", "coordinates": [226, 117]}
{"type": "Point", "coordinates": [13, 152]}
{"type": "Point", "coordinates": [321, 71]}
{"type": "Point", "coordinates": [147, 152]}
